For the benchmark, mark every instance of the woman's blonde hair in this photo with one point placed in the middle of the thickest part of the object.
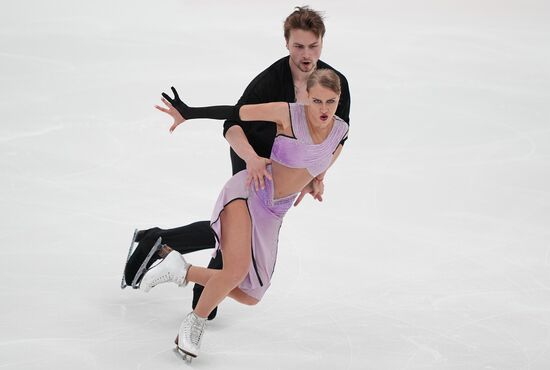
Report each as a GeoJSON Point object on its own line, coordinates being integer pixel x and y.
{"type": "Point", "coordinates": [326, 78]}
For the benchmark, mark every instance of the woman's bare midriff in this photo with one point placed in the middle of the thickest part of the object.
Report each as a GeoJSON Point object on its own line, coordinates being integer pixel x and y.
{"type": "Point", "coordinates": [288, 181]}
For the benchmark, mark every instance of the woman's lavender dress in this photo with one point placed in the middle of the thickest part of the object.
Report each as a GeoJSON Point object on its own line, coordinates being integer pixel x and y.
{"type": "Point", "coordinates": [267, 213]}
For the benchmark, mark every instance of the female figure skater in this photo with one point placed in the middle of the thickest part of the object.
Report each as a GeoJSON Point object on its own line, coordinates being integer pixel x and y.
{"type": "Point", "coordinates": [246, 221]}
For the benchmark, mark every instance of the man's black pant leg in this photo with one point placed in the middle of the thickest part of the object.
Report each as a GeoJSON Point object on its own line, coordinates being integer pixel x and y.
{"type": "Point", "coordinates": [185, 239]}
{"type": "Point", "coordinates": [189, 238]}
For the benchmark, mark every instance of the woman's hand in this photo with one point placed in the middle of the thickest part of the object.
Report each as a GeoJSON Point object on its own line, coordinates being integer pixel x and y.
{"type": "Point", "coordinates": [172, 112]}
{"type": "Point", "coordinates": [257, 170]}
{"type": "Point", "coordinates": [316, 188]}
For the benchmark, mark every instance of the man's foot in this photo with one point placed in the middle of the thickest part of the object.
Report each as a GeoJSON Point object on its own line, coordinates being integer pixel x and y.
{"type": "Point", "coordinates": [152, 232]}
{"type": "Point", "coordinates": [141, 259]}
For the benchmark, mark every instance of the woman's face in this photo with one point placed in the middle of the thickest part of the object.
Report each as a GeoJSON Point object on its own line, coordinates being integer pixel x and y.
{"type": "Point", "coordinates": [322, 104]}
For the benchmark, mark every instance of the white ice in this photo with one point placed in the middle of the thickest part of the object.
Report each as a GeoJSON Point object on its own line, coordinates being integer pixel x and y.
{"type": "Point", "coordinates": [430, 251]}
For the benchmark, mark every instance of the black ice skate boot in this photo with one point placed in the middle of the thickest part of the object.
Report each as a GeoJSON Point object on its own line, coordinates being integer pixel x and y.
{"type": "Point", "coordinates": [145, 254]}
{"type": "Point", "coordinates": [140, 234]}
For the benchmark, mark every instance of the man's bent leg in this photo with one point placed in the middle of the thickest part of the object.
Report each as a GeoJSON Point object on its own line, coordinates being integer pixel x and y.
{"type": "Point", "coordinates": [189, 238]}
{"type": "Point", "coordinates": [185, 239]}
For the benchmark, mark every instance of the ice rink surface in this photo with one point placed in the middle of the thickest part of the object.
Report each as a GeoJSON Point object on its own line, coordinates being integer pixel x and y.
{"type": "Point", "coordinates": [430, 251]}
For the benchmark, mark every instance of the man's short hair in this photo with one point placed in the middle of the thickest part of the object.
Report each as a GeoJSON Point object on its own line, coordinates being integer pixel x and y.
{"type": "Point", "coordinates": [304, 18]}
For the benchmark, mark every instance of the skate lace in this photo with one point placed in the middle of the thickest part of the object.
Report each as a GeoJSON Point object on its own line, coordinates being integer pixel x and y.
{"type": "Point", "coordinates": [197, 328]}
{"type": "Point", "coordinates": [162, 278]}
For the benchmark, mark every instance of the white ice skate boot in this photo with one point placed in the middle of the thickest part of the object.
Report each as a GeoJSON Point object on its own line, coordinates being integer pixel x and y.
{"type": "Point", "coordinates": [173, 268]}
{"type": "Point", "coordinates": [190, 335]}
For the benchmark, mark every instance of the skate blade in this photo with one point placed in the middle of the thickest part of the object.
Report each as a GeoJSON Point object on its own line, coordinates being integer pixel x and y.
{"type": "Point", "coordinates": [140, 272]}
{"type": "Point", "coordinates": [187, 357]}
{"type": "Point", "coordinates": [130, 250]}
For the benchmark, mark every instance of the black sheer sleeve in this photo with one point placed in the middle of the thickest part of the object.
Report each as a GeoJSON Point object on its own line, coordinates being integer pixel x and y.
{"type": "Point", "coordinates": [212, 112]}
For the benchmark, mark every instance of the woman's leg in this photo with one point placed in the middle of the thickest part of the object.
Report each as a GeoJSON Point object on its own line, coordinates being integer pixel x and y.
{"type": "Point", "coordinates": [201, 275]}
{"type": "Point", "coordinates": [236, 236]}
{"type": "Point", "coordinates": [215, 263]}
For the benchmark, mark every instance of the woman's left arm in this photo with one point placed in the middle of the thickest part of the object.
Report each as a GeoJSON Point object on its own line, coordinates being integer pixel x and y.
{"type": "Point", "coordinates": [317, 186]}
{"type": "Point", "coordinates": [337, 152]}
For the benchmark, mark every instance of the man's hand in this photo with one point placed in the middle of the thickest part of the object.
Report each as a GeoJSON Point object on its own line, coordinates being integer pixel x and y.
{"type": "Point", "coordinates": [256, 167]}
{"type": "Point", "coordinates": [316, 188]}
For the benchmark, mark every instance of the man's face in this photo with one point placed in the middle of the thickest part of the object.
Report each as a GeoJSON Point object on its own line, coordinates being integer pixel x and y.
{"type": "Point", "coordinates": [304, 49]}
